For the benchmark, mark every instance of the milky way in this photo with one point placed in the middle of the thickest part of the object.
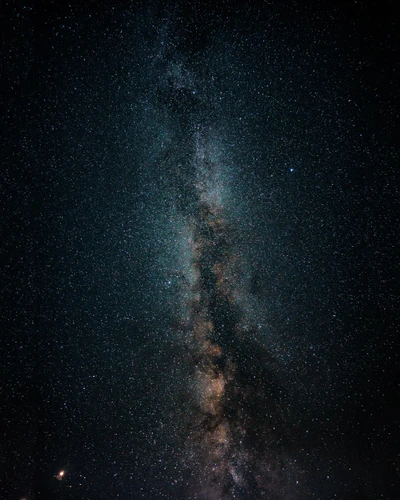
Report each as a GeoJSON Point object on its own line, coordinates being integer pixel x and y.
{"type": "Point", "coordinates": [231, 447]}
{"type": "Point", "coordinates": [220, 438]}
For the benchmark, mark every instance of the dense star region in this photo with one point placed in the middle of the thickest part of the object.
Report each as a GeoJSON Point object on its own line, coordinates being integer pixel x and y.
{"type": "Point", "coordinates": [228, 428]}
{"type": "Point", "coordinates": [223, 433]}
{"type": "Point", "coordinates": [199, 293]}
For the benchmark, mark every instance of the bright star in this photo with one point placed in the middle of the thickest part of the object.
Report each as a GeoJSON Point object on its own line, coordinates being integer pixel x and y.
{"type": "Point", "coordinates": [60, 475]}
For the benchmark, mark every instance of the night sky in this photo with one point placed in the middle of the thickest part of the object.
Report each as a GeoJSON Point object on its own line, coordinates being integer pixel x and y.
{"type": "Point", "coordinates": [199, 282]}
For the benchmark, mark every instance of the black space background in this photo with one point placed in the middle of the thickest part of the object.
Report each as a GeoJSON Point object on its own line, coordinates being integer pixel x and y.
{"type": "Point", "coordinates": [84, 362]}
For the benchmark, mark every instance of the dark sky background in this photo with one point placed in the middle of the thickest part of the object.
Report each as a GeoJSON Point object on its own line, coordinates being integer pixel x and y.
{"type": "Point", "coordinates": [98, 102]}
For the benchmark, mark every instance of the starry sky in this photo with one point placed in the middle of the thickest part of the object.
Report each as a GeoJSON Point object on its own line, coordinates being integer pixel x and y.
{"type": "Point", "coordinates": [199, 255]}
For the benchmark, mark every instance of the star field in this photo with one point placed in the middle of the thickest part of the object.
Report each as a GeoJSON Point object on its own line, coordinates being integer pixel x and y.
{"type": "Point", "coordinates": [199, 283]}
